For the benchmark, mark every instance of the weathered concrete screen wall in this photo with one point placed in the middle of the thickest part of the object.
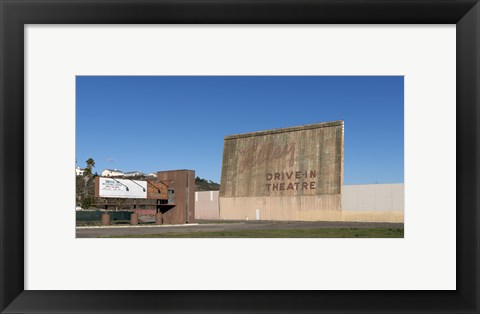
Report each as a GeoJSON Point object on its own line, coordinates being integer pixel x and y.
{"type": "Point", "coordinates": [283, 174]}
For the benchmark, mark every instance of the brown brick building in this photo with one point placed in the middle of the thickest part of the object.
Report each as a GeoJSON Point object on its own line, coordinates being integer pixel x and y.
{"type": "Point", "coordinates": [170, 198]}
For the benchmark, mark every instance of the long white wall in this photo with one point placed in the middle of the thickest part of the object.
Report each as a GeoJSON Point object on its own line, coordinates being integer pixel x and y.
{"type": "Point", "coordinates": [376, 197]}
{"type": "Point", "coordinates": [362, 197]}
{"type": "Point", "coordinates": [206, 205]}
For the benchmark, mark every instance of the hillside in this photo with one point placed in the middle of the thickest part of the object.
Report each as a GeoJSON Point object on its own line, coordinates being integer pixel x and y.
{"type": "Point", "coordinates": [204, 185]}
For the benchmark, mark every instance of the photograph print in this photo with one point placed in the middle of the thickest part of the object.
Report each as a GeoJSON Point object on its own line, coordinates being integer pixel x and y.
{"type": "Point", "coordinates": [239, 156]}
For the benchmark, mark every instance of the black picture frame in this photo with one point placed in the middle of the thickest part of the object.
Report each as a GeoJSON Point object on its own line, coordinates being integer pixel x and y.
{"type": "Point", "coordinates": [15, 14]}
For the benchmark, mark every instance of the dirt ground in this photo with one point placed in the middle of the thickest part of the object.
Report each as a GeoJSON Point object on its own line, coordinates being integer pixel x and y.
{"type": "Point", "coordinates": [212, 226]}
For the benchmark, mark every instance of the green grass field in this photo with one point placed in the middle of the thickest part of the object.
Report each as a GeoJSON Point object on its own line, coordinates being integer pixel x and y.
{"type": "Point", "coordinates": [99, 223]}
{"type": "Point", "coordinates": [285, 233]}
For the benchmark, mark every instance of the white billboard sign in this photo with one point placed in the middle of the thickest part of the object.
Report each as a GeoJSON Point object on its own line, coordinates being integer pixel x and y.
{"type": "Point", "coordinates": [121, 188]}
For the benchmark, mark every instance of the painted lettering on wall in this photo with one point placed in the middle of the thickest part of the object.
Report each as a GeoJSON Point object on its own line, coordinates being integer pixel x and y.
{"type": "Point", "coordinates": [122, 188]}
{"type": "Point", "coordinates": [299, 180]}
{"type": "Point", "coordinates": [256, 154]}
{"type": "Point", "coordinates": [111, 185]}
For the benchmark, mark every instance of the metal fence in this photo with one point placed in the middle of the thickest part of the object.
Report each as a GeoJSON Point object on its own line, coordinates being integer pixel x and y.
{"type": "Point", "coordinates": [96, 215]}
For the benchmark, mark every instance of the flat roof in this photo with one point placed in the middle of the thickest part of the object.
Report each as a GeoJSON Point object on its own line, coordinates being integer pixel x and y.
{"type": "Point", "coordinates": [289, 129]}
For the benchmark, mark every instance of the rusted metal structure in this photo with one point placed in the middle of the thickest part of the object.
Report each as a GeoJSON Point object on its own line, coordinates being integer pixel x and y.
{"type": "Point", "coordinates": [293, 173]}
{"type": "Point", "coordinates": [169, 198]}
{"type": "Point", "coordinates": [182, 184]}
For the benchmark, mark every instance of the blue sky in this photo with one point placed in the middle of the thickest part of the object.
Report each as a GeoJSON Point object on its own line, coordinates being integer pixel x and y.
{"type": "Point", "coordinates": [150, 123]}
